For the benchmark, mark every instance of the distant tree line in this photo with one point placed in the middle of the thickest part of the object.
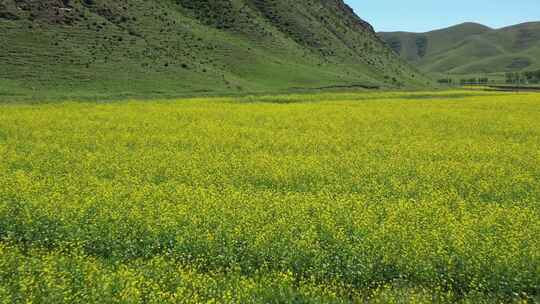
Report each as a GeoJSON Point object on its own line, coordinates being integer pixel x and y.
{"type": "Point", "coordinates": [483, 80]}
{"type": "Point", "coordinates": [464, 81]}
{"type": "Point", "coordinates": [529, 77]}
{"type": "Point", "coordinates": [448, 81]}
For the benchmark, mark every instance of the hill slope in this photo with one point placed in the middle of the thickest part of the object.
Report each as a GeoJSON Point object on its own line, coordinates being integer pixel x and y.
{"type": "Point", "coordinates": [134, 47]}
{"type": "Point", "coordinates": [470, 48]}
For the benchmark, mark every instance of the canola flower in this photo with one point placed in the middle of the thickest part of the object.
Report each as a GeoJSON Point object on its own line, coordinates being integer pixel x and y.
{"type": "Point", "coordinates": [326, 198]}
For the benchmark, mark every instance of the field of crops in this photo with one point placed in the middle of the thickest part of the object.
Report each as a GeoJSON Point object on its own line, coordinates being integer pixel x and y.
{"type": "Point", "coordinates": [331, 198]}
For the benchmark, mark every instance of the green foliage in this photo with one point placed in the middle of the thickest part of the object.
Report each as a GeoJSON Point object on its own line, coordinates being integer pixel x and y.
{"type": "Point", "coordinates": [445, 81]}
{"type": "Point", "coordinates": [528, 77]}
{"type": "Point", "coordinates": [474, 81]}
{"type": "Point", "coordinates": [378, 198]}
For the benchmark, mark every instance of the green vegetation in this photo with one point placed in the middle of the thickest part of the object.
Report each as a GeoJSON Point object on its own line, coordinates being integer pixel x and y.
{"type": "Point", "coordinates": [71, 48]}
{"type": "Point", "coordinates": [529, 77]}
{"type": "Point", "coordinates": [470, 48]}
{"type": "Point", "coordinates": [331, 198]}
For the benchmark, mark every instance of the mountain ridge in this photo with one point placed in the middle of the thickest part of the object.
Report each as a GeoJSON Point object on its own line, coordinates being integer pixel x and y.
{"type": "Point", "coordinates": [470, 48]}
{"type": "Point", "coordinates": [135, 47]}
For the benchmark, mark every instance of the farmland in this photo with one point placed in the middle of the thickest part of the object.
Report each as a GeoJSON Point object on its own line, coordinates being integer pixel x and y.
{"type": "Point", "coordinates": [333, 197]}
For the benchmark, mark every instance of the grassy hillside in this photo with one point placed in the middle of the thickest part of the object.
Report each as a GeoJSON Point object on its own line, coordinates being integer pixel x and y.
{"type": "Point", "coordinates": [470, 48]}
{"type": "Point", "coordinates": [415, 46]}
{"type": "Point", "coordinates": [159, 47]}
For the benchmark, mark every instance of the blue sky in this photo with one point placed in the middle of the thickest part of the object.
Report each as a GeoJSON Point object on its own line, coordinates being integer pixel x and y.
{"type": "Point", "coordinates": [426, 15]}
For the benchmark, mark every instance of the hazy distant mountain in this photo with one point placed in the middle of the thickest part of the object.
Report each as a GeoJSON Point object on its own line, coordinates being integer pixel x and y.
{"type": "Point", "coordinates": [470, 48]}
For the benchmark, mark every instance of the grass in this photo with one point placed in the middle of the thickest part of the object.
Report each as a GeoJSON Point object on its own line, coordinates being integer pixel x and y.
{"type": "Point", "coordinates": [332, 198]}
{"type": "Point", "coordinates": [129, 48]}
{"type": "Point", "coordinates": [471, 48]}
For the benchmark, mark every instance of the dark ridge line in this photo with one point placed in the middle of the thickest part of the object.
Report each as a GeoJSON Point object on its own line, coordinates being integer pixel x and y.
{"type": "Point", "coordinates": [350, 86]}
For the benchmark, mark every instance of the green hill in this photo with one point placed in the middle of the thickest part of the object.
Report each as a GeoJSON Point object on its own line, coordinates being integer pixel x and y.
{"type": "Point", "coordinates": [470, 48]}
{"type": "Point", "coordinates": [172, 47]}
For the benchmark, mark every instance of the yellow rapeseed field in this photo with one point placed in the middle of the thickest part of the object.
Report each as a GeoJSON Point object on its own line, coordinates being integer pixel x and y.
{"type": "Point", "coordinates": [325, 198]}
